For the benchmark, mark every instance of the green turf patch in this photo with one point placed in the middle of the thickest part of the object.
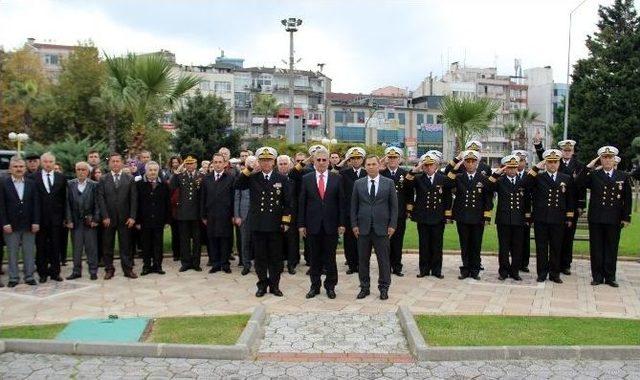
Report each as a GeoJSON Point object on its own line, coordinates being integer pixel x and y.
{"type": "Point", "coordinates": [31, 331]}
{"type": "Point", "coordinates": [484, 330]}
{"type": "Point", "coordinates": [223, 329]}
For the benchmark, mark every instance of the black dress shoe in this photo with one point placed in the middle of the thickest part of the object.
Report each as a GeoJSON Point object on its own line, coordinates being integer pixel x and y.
{"type": "Point", "coordinates": [245, 271]}
{"type": "Point", "coordinates": [566, 272]}
{"type": "Point", "coordinates": [384, 295]}
{"type": "Point", "coordinates": [291, 270]}
{"type": "Point", "coordinates": [308, 272]}
{"type": "Point", "coordinates": [541, 279]}
{"type": "Point", "coordinates": [214, 270]}
{"type": "Point", "coordinates": [12, 284]}
{"type": "Point", "coordinates": [276, 292]}
{"type": "Point", "coordinates": [481, 267]}
{"type": "Point", "coordinates": [439, 275]}
{"type": "Point", "coordinates": [557, 280]}
{"type": "Point", "coordinates": [176, 259]}
{"type": "Point", "coordinates": [331, 293]}
{"type": "Point", "coordinates": [43, 279]}
{"type": "Point", "coordinates": [93, 277]}
{"type": "Point", "coordinates": [351, 271]}
{"type": "Point", "coordinates": [462, 276]}
{"type": "Point", "coordinates": [226, 270]}
{"type": "Point", "coordinates": [130, 274]}
{"type": "Point", "coordinates": [31, 282]}
{"type": "Point", "coordinates": [502, 278]}
{"type": "Point", "coordinates": [525, 270]}
{"type": "Point", "coordinates": [197, 269]}
{"type": "Point", "coordinates": [398, 273]}
{"type": "Point", "coordinates": [612, 283]}
{"type": "Point", "coordinates": [596, 283]}
{"type": "Point", "coordinates": [261, 292]}
{"type": "Point", "coordinates": [517, 277]}
{"type": "Point", "coordinates": [183, 268]}
{"type": "Point", "coordinates": [1, 284]}
{"type": "Point", "coordinates": [209, 263]}
{"type": "Point", "coordinates": [476, 277]}
{"type": "Point", "coordinates": [57, 278]}
{"type": "Point", "coordinates": [73, 276]}
{"type": "Point", "coordinates": [421, 274]}
{"type": "Point", "coordinates": [160, 271]}
{"type": "Point", "coordinates": [312, 293]}
{"type": "Point", "coordinates": [363, 293]}
{"type": "Point", "coordinates": [145, 272]}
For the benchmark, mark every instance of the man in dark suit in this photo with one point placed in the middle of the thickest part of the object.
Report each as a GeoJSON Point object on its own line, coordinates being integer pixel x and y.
{"type": "Point", "coordinates": [153, 214]}
{"type": "Point", "coordinates": [393, 155]}
{"type": "Point", "coordinates": [510, 217]}
{"type": "Point", "coordinates": [187, 185]}
{"type": "Point", "coordinates": [216, 200]}
{"type": "Point", "coordinates": [82, 217]}
{"type": "Point", "coordinates": [429, 204]}
{"type": "Point", "coordinates": [118, 200]}
{"type": "Point", "coordinates": [269, 214]}
{"type": "Point", "coordinates": [471, 210]}
{"type": "Point", "coordinates": [374, 216]}
{"type": "Point", "coordinates": [350, 175]}
{"type": "Point", "coordinates": [320, 220]}
{"type": "Point", "coordinates": [20, 219]}
{"type": "Point", "coordinates": [52, 191]}
{"type": "Point", "coordinates": [609, 212]}
{"type": "Point", "coordinates": [553, 208]}
{"type": "Point", "coordinates": [570, 166]}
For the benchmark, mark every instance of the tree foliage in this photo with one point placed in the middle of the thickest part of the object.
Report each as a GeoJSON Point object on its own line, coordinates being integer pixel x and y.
{"type": "Point", "coordinates": [467, 116]}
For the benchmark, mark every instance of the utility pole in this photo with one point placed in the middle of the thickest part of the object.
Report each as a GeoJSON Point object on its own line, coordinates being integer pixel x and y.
{"type": "Point", "coordinates": [566, 99]}
{"type": "Point", "coordinates": [291, 25]}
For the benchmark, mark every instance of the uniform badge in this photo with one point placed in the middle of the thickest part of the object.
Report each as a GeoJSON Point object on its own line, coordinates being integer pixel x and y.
{"type": "Point", "coordinates": [620, 183]}
{"type": "Point", "coordinates": [439, 189]}
{"type": "Point", "coordinates": [277, 186]}
{"type": "Point", "coordinates": [563, 186]}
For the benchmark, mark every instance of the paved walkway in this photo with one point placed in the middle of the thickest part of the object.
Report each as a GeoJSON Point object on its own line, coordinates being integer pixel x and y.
{"type": "Point", "coordinates": [32, 366]}
{"type": "Point", "coordinates": [193, 293]}
{"type": "Point", "coordinates": [334, 336]}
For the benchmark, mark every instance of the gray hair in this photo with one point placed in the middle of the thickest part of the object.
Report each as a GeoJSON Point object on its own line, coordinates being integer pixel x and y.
{"type": "Point", "coordinates": [49, 155]}
{"type": "Point", "coordinates": [16, 159]}
{"type": "Point", "coordinates": [151, 163]}
{"type": "Point", "coordinates": [83, 163]}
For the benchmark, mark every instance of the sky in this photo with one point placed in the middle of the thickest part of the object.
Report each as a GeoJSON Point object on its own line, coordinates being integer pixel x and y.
{"type": "Point", "coordinates": [364, 44]}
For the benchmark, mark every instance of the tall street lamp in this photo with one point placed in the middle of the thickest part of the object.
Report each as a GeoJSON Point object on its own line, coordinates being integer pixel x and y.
{"type": "Point", "coordinates": [291, 25]}
{"type": "Point", "coordinates": [18, 138]}
{"type": "Point", "coordinates": [566, 99]}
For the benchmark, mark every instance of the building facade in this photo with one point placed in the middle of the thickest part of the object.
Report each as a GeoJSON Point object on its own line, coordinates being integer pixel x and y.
{"type": "Point", "coordinates": [51, 56]}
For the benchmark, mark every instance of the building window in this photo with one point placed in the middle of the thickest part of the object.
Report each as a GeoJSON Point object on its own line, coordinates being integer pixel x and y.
{"type": "Point", "coordinates": [420, 119]}
{"type": "Point", "coordinates": [429, 119]}
{"type": "Point", "coordinates": [339, 116]}
{"type": "Point", "coordinates": [391, 115]}
{"type": "Point", "coordinates": [401, 118]}
{"type": "Point", "coordinates": [360, 117]}
{"type": "Point", "coordinates": [51, 59]}
{"type": "Point", "coordinates": [205, 85]}
{"type": "Point", "coordinates": [222, 87]}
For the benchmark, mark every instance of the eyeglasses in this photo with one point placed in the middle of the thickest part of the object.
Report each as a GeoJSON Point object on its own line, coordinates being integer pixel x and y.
{"type": "Point", "coordinates": [299, 161]}
{"type": "Point", "coordinates": [321, 159]}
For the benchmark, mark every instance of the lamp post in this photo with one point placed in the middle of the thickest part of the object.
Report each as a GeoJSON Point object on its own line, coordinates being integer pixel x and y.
{"type": "Point", "coordinates": [566, 99]}
{"type": "Point", "coordinates": [18, 138]}
{"type": "Point", "coordinates": [291, 25]}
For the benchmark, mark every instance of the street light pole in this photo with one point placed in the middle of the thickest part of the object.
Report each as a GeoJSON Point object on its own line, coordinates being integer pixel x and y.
{"type": "Point", "coordinates": [291, 25]}
{"type": "Point", "coordinates": [566, 98]}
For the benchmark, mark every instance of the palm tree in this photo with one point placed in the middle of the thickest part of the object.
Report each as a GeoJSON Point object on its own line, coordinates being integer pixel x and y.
{"type": "Point", "coordinates": [110, 104]}
{"type": "Point", "coordinates": [147, 88]}
{"type": "Point", "coordinates": [522, 118]}
{"type": "Point", "coordinates": [26, 95]}
{"type": "Point", "coordinates": [467, 116]}
{"type": "Point", "coordinates": [265, 105]}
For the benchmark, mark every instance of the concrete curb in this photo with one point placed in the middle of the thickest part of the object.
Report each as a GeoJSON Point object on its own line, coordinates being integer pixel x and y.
{"type": "Point", "coordinates": [422, 352]}
{"type": "Point", "coordinates": [243, 349]}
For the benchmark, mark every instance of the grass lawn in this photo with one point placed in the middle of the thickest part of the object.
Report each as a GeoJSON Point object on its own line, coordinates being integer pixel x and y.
{"type": "Point", "coordinates": [224, 330]}
{"type": "Point", "coordinates": [526, 331]}
{"type": "Point", "coordinates": [198, 330]}
{"type": "Point", "coordinates": [31, 332]}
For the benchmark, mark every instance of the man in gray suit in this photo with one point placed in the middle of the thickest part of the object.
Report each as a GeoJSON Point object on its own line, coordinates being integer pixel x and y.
{"type": "Point", "coordinates": [374, 216]}
{"type": "Point", "coordinates": [82, 218]}
{"type": "Point", "coordinates": [117, 197]}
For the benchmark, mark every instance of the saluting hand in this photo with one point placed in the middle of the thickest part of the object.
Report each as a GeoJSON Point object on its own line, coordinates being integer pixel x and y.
{"type": "Point", "coordinates": [303, 232]}
{"type": "Point", "coordinates": [341, 230]}
{"type": "Point", "coordinates": [540, 165]}
{"type": "Point", "coordinates": [593, 162]}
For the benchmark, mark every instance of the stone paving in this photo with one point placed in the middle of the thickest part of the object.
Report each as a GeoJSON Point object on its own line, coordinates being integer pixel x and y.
{"type": "Point", "coordinates": [39, 366]}
{"type": "Point", "coordinates": [200, 293]}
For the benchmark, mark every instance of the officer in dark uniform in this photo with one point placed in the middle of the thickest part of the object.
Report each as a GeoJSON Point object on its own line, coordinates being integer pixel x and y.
{"type": "Point", "coordinates": [397, 174]}
{"type": "Point", "coordinates": [609, 211]}
{"type": "Point", "coordinates": [187, 185]}
{"type": "Point", "coordinates": [428, 194]}
{"type": "Point", "coordinates": [350, 174]}
{"type": "Point", "coordinates": [471, 209]}
{"type": "Point", "coordinates": [524, 157]}
{"type": "Point", "coordinates": [553, 207]}
{"type": "Point", "coordinates": [483, 167]}
{"type": "Point", "coordinates": [570, 166]}
{"type": "Point", "coordinates": [270, 213]}
{"type": "Point", "coordinates": [510, 217]}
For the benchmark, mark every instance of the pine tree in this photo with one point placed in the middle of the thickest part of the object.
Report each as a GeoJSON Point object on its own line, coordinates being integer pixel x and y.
{"type": "Point", "coordinates": [605, 93]}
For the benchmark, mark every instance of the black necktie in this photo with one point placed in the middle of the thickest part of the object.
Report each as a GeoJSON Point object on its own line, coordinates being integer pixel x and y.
{"type": "Point", "coordinates": [217, 177]}
{"type": "Point", "coordinates": [51, 185]}
{"type": "Point", "coordinates": [117, 181]}
{"type": "Point", "coordinates": [513, 180]}
{"type": "Point", "coordinates": [372, 190]}
{"type": "Point", "coordinates": [470, 179]}
{"type": "Point", "coordinates": [266, 177]}
{"type": "Point", "coordinates": [430, 180]}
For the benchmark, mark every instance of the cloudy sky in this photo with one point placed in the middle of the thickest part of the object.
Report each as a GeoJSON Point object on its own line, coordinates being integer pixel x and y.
{"type": "Point", "coordinates": [365, 44]}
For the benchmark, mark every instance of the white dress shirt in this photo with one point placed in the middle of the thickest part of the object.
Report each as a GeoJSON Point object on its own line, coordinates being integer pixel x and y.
{"type": "Point", "coordinates": [376, 181]}
{"type": "Point", "coordinates": [46, 180]}
{"type": "Point", "coordinates": [326, 177]}
{"type": "Point", "coordinates": [82, 185]}
{"type": "Point", "coordinates": [19, 185]}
